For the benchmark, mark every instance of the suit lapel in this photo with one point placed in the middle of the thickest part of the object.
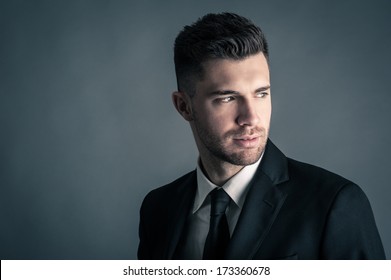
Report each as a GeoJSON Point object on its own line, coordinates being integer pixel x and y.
{"type": "Point", "coordinates": [263, 203]}
{"type": "Point", "coordinates": [185, 196]}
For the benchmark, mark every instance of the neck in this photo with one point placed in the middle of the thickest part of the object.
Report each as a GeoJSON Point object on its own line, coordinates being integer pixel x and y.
{"type": "Point", "coordinates": [217, 171]}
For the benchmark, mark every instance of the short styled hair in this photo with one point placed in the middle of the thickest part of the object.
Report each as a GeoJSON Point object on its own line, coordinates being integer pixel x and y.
{"type": "Point", "coordinates": [214, 36]}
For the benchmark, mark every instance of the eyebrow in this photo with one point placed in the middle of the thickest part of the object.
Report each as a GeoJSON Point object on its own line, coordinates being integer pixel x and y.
{"type": "Point", "coordinates": [233, 92]}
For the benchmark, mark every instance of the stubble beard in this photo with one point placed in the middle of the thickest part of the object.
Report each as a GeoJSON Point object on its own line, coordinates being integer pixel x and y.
{"type": "Point", "coordinates": [224, 148]}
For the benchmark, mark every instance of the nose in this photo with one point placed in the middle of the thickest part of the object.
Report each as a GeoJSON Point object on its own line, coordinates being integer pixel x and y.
{"type": "Point", "coordinates": [248, 115]}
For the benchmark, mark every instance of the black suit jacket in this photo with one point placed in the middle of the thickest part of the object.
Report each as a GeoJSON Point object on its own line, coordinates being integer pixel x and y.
{"type": "Point", "coordinates": [293, 210]}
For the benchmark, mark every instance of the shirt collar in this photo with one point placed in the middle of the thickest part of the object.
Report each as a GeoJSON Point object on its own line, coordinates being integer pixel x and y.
{"type": "Point", "coordinates": [236, 186]}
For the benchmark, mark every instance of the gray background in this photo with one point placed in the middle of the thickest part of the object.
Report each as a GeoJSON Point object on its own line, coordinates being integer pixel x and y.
{"type": "Point", "coordinates": [87, 125]}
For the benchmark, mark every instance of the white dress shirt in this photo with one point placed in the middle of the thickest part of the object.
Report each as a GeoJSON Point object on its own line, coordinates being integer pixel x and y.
{"type": "Point", "coordinates": [198, 221]}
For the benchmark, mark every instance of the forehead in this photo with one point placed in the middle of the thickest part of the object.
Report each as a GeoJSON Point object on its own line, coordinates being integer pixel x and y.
{"type": "Point", "coordinates": [229, 73]}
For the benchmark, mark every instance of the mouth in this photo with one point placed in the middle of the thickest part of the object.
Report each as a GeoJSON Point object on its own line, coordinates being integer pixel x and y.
{"type": "Point", "coordinates": [247, 141]}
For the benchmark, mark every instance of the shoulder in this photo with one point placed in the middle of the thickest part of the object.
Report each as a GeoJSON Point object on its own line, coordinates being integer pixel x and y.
{"type": "Point", "coordinates": [304, 171]}
{"type": "Point", "coordinates": [307, 180]}
{"type": "Point", "coordinates": [172, 187]}
{"type": "Point", "coordinates": [302, 180]}
{"type": "Point", "coordinates": [301, 172]}
{"type": "Point", "coordinates": [169, 190]}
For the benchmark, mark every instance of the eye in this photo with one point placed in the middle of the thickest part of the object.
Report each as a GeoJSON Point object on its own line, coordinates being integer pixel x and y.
{"type": "Point", "coordinates": [262, 94]}
{"type": "Point", "coordinates": [226, 99]}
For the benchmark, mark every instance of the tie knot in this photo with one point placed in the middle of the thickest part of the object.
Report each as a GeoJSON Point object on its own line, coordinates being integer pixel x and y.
{"type": "Point", "coordinates": [219, 201]}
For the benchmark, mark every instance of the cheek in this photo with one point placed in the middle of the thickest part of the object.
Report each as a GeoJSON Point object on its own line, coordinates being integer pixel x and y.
{"type": "Point", "coordinates": [220, 120]}
{"type": "Point", "coordinates": [266, 115]}
{"type": "Point", "coordinates": [265, 111]}
{"type": "Point", "coordinates": [205, 117]}
{"type": "Point", "coordinates": [215, 124]}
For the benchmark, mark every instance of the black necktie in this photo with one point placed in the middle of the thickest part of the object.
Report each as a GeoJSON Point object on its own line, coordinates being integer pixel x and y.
{"type": "Point", "coordinates": [218, 235]}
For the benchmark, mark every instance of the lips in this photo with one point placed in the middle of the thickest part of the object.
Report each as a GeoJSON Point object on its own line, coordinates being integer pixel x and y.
{"type": "Point", "coordinates": [248, 137]}
{"type": "Point", "coordinates": [247, 141]}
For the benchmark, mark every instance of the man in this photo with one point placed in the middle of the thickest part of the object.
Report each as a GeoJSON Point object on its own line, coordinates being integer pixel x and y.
{"type": "Point", "coordinates": [246, 200]}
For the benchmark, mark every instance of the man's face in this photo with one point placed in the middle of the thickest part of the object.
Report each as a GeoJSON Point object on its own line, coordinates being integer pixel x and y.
{"type": "Point", "coordinates": [231, 110]}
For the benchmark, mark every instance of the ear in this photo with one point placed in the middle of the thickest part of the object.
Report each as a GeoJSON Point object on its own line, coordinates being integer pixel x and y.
{"type": "Point", "coordinates": [183, 105]}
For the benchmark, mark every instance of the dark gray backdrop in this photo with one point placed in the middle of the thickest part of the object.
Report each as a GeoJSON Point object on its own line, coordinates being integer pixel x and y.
{"type": "Point", "coordinates": [87, 126]}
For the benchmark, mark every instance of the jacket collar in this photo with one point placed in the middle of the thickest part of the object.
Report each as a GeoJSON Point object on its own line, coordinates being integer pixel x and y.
{"type": "Point", "coordinates": [275, 164]}
{"type": "Point", "coordinates": [262, 204]}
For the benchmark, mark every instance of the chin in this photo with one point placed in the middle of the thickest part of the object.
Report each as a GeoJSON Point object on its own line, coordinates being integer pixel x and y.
{"type": "Point", "coordinates": [244, 158]}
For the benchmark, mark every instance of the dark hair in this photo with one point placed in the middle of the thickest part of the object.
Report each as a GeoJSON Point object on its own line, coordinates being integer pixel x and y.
{"type": "Point", "coordinates": [225, 36]}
